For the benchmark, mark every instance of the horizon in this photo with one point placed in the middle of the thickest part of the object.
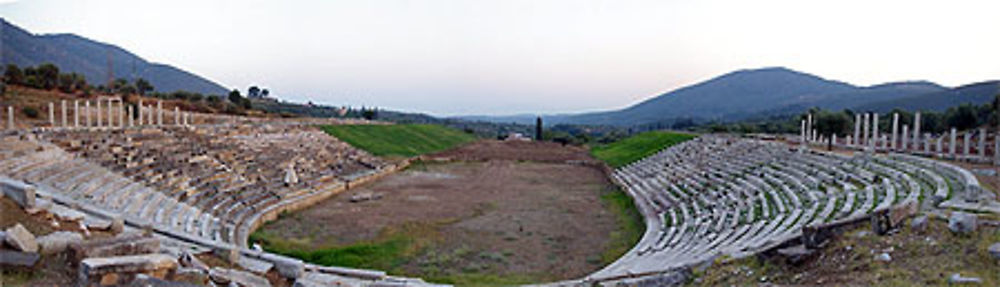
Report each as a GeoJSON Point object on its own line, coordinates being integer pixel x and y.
{"type": "Point", "coordinates": [451, 59]}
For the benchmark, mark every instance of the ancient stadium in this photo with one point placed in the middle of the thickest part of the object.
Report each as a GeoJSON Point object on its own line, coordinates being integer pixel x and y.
{"type": "Point", "coordinates": [157, 192]}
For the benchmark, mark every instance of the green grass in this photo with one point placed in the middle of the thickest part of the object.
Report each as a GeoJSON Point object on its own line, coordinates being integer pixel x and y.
{"type": "Point", "coordinates": [630, 224]}
{"type": "Point", "coordinates": [620, 153]}
{"type": "Point", "coordinates": [399, 140]}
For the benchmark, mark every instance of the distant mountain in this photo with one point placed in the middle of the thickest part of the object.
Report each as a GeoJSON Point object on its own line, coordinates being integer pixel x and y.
{"type": "Point", "coordinates": [771, 92]}
{"type": "Point", "coordinates": [73, 53]}
{"type": "Point", "coordinates": [978, 93]}
{"type": "Point", "coordinates": [734, 95]}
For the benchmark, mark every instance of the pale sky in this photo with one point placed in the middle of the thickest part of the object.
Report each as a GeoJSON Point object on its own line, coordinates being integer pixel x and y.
{"type": "Point", "coordinates": [461, 57]}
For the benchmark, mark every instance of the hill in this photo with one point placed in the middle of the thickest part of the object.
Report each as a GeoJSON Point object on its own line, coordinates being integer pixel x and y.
{"type": "Point", "coordinates": [399, 140]}
{"type": "Point", "coordinates": [977, 94]}
{"type": "Point", "coordinates": [732, 95]}
{"type": "Point", "coordinates": [74, 53]}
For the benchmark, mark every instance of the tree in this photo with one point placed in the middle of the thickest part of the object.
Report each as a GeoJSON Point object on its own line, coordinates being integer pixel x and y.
{"type": "Point", "coordinates": [143, 86]}
{"type": "Point", "coordinates": [13, 75]}
{"type": "Point", "coordinates": [253, 92]}
{"type": "Point", "coordinates": [48, 76]}
{"type": "Point", "coordinates": [66, 83]}
{"type": "Point", "coordinates": [963, 117]}
{"type": "Point", "coordinates": [369, 114]}
{"type": "Point", "coordinates": [235, 97]}
{"type": "Point", "coordinates": [264, 93]}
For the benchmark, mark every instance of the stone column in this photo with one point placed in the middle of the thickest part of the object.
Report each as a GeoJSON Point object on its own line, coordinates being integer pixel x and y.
{"type": "Point", "coordinates": [927, 143]}
{"type": "Point", "coordinates": [111, 115]}
{"type": "Point", "coordinates": [966, 141]}
{"type": "Point", "coordinates": [996, 148]}
{"type": "Point", "coordinates": [121, 113]}
{"type": "Point", "coordinates": [76, 113]}
{"type": "Point", "coordinates": [833, 138]}
{"type": "Point", "coordinates": [895, 130]}
{"type": "Point", "coordinates": [65, 123]}
{"type": "Point", "coordinates": [982, 143]}
{"type": "Point", "coordinates": [850, 140]}
{"type": "Point", "coordinates": [86, 106]}
{"type": "Point", "coordinates": [177, 116]}
{"type": "Point", "coordinates": [98, 103]}
{"type": "Point", "coordinates": [52, 114]}
{"type": "Point", "coordinates": [951, 146]}
{"type": "Point", "coordinates": [857, 129]}
{"type": "Point", "coordinates": [131, 120]}
{"type": "Point", "coordinates": [10, 117]}
{"type": "Point", "coordinates": [159, 113]}
{"type": "Point", "coordinates": [802, 131]}
{"type": "Point", "coordinates": [864, 131]}
{"type": "Point", "coordinates": [939, 149]}
{"type": "Point", "coordinates": [875, 130]}
{"type": "Point", "coordinates": [139, 109]}
{"type": "Point", "coordinates": [904, 144]}
{"type": "Point", "coordinates": [809, 127]}
{"type": "Point", "coordinates": [916, 131]}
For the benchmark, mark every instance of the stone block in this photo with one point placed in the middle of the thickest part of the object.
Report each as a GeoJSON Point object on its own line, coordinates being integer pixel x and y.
{"type": "Point", "coordinates": [231, 255]}
{"type": "Point", "coordinates": [288, 267]}
{"type": "Point", "coordinates": [104, 271]}
{"type": "Point", "coordinates": [122, 245]}
{"type": "Point", "coordinates": [241, 278]}
{"type": "Point", "coordinates": [20, 192]}
{"type": "Point", "coordinates": [962, 222]}
{"type": "Point", "coordinates": [919, 223]}
{"type": "Point", "coordinates": [10, 258]}
{"type": "Point", "coordinates": [21, 239]}
{"type": "Point", "coordinates": [58, 241]}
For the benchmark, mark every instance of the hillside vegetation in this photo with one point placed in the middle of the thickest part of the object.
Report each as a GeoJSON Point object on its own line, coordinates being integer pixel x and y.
{"type": "Point", "coordinates": [634, 148]}
{"type": "Point", "coordinates": [399, 140]}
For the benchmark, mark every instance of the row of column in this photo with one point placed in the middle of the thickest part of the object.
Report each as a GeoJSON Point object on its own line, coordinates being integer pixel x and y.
{"type": "Point", "coordinates": [92, 117]}
{"type": "Point", "coordinates": [866, 136]}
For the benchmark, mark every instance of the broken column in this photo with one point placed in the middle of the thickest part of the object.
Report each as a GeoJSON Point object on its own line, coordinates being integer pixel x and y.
{"type": "Point", "coordinates": [131, 121]}
{"type": "Point", "coordinates": [139, 110]}
{"type": "Point", "coordinates": [111, 115]}
{"type": "Point", "coordinates": [981, 147]}
{"type": "Point", "coordinates": [119, 270]}
{"type": "Point", "coordinates": [10, 117]}
{"type": "Point", "coordinates": [177, 116]}
{"type": "Point", "coordinates": [927, 143]}
{"type": "Point", "coordinates": [966, 141]}
{"type": "Point", "coordinates": [895, 130]}
{"type": "Point", "coordinates": [76, 113]}
{"type": "Point", "coordinates": [86, 113]}
{"type": "Point", "coordinates": [857, 129]}
{"type": "Point", "coordinates": [121, 113]}
{"type": "Point", "coordinates": [809, 127]}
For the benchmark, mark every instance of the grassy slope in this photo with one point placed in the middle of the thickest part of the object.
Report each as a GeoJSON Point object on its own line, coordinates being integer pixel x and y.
{"type": "Point", "coordinates": [631, 149]}
{"type": "Point", "coordinates": [399, 140]}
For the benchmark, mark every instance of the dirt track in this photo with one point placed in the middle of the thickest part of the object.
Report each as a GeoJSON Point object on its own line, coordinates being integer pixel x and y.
{"type": "Point", "coordinates": [543, 221]}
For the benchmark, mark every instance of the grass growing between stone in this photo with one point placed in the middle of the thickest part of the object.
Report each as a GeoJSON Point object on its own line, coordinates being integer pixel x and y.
{"type": "Point", "coordinates": [630, 224]}
{"type": "Point", "coordinates": [399, 140]}
{"type": "Point", "coordinates": [918, 258]}
{"type": "Point", "coordinates": [620, 153]}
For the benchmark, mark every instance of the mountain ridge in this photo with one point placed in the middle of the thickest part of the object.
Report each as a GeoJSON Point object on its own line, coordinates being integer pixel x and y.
{"type": "Point", "coordinates": [75, 53]}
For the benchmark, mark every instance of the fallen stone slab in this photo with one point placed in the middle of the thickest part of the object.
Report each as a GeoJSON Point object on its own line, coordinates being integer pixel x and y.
{"type": "Point", "coordinates": [188, 260]}
{"type": "Point", "coordinates": [241, 278]}
{"type": "Point", "coordinates": [22, 193]}
{"type": "Point", "coordinates": [21, 239]}
{"type": "Point", "coordinates": [919, 223]}
{"type": "Point", "coordinates": [255, 265]}
{"type": "Point", "coordinates": [9, 258]}
{"type": "Point", "coordinates": [65, 213]}
{"type": "Point", "coordinates": [288, 267]}
{"type": "Point", "coordinates": [143, 280]}
{"type": "Point", "coordinates": [962, 222]}
{"type": "Point", "coordinates": [316, 279]}
{"type": "Point", "coordinates": [959, 279]}
{"type": "Point", "coordinates": [58, 241]}
{"type": "Point", "coordinates": [796, 254]}
{"type": "Point", "coordinates": [119, 270]}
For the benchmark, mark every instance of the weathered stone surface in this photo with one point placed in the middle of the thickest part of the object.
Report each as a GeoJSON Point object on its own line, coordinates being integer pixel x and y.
{"type": "Point", "coordinates": [317, 279]}
{"type": "Point", "coordinates": [20, 192]}
{"type": "Point", "coordinates": [995, 250]}
{"type": "Point", "coordinates": [58, 241]}
{"type": "Point", "coordinates": [143, 280]}
{"type": "Point", "coordinates": [123, 269]}
{"type": "Point", "coordinates": [117, 225]}
{"type": "Point", "coordinates": [796, 254]}
{"type": "Point", "coordinates": [919, 223]}
{"type": "Point", "coordinates": [18, 259]}
{"type": "Point", "coordinates": [231, 255]}
{"type": "Point", "coordinates": [125, 244]}
{"type": "Point", "coordinates": [288, 267]}
{"type": "Point", "coordinates": [21, 239]}
{"type": "Point", "coordinates": [65, 214]}
{"type": "Point", "coordinates": [227, 276]}
{"type": "Point", "coordinates": [190, 261]}
{"type": "Point", "coordinates": [883, 257]}
{"type": "Point", "coordinates": [962, 222]}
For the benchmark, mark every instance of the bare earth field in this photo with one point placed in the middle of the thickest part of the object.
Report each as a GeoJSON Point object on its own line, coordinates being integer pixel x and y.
{"type": "Point", "coordinates": [501, 215]}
